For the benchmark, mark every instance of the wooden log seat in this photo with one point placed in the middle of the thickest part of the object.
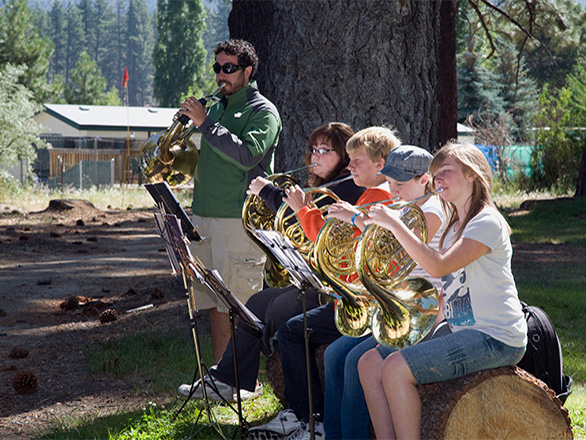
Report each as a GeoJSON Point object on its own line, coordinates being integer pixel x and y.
{"type": "Point", "coordinates": [275, 372]}
{"type": "Point", "coordinates": [504, 403]}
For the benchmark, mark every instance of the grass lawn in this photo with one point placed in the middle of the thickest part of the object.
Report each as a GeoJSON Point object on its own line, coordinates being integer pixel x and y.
{"type": "Point", "coordinates": [553, 234]}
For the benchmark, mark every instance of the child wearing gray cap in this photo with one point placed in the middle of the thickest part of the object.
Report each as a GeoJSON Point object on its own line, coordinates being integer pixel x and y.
{"type": "Point", "coordinates": [346, 414]}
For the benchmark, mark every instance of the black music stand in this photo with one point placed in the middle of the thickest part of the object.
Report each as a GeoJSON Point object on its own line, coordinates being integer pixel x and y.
{"type": "Point", "coordinates": [303, 277]}
{"type": "Point", "coordinates": [191, 268]}
{"type": "Point", "coordinates": [179, 257]}
{"type": "Point", "coordinates": [164, 198]}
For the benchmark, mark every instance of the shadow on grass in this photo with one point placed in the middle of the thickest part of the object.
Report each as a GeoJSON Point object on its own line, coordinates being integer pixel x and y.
{"type": "Point", "coordinates": [166, 422]}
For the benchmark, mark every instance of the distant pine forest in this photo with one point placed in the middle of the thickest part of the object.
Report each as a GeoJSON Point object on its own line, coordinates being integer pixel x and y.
{"type": "Point", "coordinates": [117, 35]}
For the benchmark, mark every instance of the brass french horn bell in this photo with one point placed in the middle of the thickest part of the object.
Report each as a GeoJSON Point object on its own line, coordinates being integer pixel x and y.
{"type": "Point", "coordinates": [407, 307]}
{"type": "Point", "coordinates": [171, 156]}
{"type": "Point", "coordinates": [333, 257]}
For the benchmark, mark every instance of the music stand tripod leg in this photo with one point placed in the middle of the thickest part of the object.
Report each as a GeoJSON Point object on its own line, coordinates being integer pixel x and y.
{"type": "Point", "coordinates": [307, 332]}
{"type": "Point", "coordinates": [200, 364]}
{"type": "Point", "coordinates": [242, 424]}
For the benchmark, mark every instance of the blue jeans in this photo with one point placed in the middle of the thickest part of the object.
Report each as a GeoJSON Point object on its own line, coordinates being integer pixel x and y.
{"type": "Point", "coordinates": [273, 307]}
{"type": "Point", "coordinates": [457, 354]}
{"type": "Point", "coordinates": [346, 413]}
{"type": "Point", "coordinates": [291, 339]}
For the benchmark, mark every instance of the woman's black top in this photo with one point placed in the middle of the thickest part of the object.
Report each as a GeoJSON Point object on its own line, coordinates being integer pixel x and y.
{"type": "Point", "coordinates": [346, 190]}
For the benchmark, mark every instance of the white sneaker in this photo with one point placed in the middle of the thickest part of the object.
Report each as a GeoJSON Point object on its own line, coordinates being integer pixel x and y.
{"type": "Point", "coordinates": [216, 390]}
{"type": "Point", "coordinates": [304, 433]}
{"type": "Point", "coordinates": [246, 395]}
{"type": "Point", "coordinates": [284, 424]}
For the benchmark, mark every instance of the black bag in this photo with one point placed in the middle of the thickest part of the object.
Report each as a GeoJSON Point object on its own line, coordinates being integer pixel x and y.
{"type": "Point", "coordinates": [543, 357]}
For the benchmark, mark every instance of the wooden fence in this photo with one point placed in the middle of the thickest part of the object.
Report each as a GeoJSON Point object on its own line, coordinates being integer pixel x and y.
{"type": "Point", "coordinates": [125, 166]}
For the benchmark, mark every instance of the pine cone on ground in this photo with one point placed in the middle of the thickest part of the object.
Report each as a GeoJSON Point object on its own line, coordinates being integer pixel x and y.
{"type": "Point", "coordinates": [24, 382]}
{"type": "Point", "coordinates": [157, 294]}
{"type": "Point", "coordinates": [108, 315]}
{"type": "Point", "coordinates": [18, 353]}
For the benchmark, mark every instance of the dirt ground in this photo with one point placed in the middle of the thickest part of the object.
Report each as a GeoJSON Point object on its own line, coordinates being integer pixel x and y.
{"type": "Point", "coordinates": [105, 260]}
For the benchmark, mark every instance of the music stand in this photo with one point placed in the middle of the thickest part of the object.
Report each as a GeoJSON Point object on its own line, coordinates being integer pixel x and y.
{"type": "Point", "coordinates": [179, 257]}
{"type": "Point", "coordinates": [163, 196]}
{"type": "Point", "coordinates": [191, 268]}
{"type": "Point", "coordinates": [303, 277]}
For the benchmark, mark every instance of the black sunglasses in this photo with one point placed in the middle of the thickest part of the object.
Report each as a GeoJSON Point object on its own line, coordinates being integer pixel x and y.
{"type": "Point", "coordinates": [227, 68]}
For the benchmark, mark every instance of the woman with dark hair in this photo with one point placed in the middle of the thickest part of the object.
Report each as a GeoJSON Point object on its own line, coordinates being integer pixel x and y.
{"type": "Point", "coordinates": [274, 306]}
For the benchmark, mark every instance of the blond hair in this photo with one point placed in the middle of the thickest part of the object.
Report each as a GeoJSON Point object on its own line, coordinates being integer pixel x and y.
{"type": "Point", "coordinates": [377, 142]}
{"type": "Point", "coordinates": [473, 163]}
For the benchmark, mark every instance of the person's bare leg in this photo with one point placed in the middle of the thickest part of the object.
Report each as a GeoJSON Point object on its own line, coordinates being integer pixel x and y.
{"type": "Point", "coordinates": [220, 330]}
{"type": "Point", "coordinates": [400, 389]}
{"type": "Point", "coordinates": [370, 368]}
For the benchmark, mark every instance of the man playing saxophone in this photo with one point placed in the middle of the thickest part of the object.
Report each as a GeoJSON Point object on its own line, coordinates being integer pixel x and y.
{"type": "Point", "coordinates": [239, 137]}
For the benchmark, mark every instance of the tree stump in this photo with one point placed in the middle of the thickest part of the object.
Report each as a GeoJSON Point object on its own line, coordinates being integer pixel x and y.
{"type": "Point", "coordinates": [275, 371]}
{"type": "Point", "coordinates": [504, 403]}
{"type": "Point", "coordinates": [69, 204]}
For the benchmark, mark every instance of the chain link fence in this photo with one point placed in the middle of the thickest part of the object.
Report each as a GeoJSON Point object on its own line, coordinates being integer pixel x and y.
{"type": "Point", "coordinates": [82, 162]}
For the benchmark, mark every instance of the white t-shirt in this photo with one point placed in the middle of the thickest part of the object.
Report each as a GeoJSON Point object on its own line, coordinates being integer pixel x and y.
{"type": "Point", "coordinates": [432, 205]}
{"type": "Point", "coordinates": [483, 295]}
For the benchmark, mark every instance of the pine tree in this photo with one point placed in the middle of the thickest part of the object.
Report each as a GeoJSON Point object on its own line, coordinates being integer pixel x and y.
{"type": "Point", "coordinates": [75, 39]}
{"type": "Point", "coordinates": [179, 54]}
{"type": "Point", "coordinates": [140, 42]}
{"type": "Point", "coordinates": [89, 22]}
{"type": "Point", "coordinates": [57, 34]}
{"type": "Point", "coordinates": [478, 88]}
{"type": "Point", "coordinates": [21, 45]}
{"type": "Point", "coordinates": [217, 12]}
{"type": "Point", "coordinates": [518, 91]}
{"type": "Point", "coordinates": [88, 85]}
{"type": "Point", "coordinates": [104, 49]}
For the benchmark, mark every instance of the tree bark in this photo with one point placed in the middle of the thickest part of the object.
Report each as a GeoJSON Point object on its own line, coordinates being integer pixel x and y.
{"type": "Point", "coordinates": [447, 78]}
{"type": "Point", "coordinates": [366, 62]}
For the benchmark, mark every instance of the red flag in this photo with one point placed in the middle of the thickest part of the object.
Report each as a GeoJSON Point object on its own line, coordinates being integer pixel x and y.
{"type": "Point", "coordinates": [125, 80]}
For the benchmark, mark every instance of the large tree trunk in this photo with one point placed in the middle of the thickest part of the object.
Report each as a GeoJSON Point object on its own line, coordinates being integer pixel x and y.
{"type": "Point", "coordinates": [365, 62]}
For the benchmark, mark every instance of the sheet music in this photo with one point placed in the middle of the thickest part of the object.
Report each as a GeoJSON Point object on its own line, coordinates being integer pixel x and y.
{"type": "Point", "coordinates": [165, 199]}
{"type": "Point", "coordinates": [290, 258]}
{"type": "Point", "coordinates": [164, 233]}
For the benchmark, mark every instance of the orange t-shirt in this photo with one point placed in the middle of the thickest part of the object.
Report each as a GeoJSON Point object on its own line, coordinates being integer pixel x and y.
{"type": "Point", "coordinates": [311, 219]}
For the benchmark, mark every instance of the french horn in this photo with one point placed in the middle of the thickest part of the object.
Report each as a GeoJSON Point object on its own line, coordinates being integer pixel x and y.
{"type": "Point", "coordinates": [257, 215]}
{"type": "Point", "coordinates": [334, 258]}
{"type": "Point", "coordinates": [287, 222]}
{"type": "Point", "coordinates": [406, 307]}
{"type": "Point", "coordinates": [171, 156]}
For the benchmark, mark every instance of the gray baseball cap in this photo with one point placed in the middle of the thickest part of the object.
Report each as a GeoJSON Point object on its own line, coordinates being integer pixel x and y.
{"type": "Point", "coordinates": [406, 162]}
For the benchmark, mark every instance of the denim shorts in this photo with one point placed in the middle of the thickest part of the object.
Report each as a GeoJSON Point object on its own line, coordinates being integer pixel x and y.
{"type": "Point", "coordinates": [446, 357]}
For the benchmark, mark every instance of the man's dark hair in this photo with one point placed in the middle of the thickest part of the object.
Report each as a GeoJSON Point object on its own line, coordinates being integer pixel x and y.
{"type": "Point", "coordinates": [243, 50]}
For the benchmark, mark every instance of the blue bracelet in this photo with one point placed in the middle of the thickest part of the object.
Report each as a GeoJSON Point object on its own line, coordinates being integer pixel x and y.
{"type": "Point", "coordinates": [354, 218]}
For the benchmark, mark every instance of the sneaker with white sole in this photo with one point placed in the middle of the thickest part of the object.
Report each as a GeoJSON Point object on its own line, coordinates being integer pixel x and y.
{"type": "Point", "coordinates": [284, 424]}
{"type": "Point", "coordinates": [304, 433]}
{"type": "Point", "coordinates": [246, 395]}
{"type": "Point", "coordinates": [216, 390]}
